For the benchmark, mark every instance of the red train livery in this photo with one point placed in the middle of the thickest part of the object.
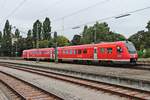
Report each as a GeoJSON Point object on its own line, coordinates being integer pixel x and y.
{"type": "Point", "coordinates": [120, 51]}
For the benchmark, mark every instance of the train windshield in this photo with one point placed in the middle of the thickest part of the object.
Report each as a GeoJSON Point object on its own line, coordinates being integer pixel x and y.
{"type": "Point", "coordinates": [130, 47]}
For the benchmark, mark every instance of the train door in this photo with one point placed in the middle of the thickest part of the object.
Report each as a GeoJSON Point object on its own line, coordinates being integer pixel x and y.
{"type": "Point", "coordinates": [51, 54]}
{"type": "Point", "coordinates": [95, 53]}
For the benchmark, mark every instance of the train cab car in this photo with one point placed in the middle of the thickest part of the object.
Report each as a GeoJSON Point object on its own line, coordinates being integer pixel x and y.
{"type": "Point", "coordinates": [117, 52]}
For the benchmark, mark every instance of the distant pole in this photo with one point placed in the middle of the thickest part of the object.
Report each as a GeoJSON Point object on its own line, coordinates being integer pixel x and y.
{"type": "Point", "coordinates": [56, 53]}
{"type": "Point", "coordinates": [63, 25]}
{"type": "Point", "coordinates": [16, 49]}
{"type": "Point", "coordinates": [56, 50]}
{"type": "Point", "coordinates": [95, 34]}
{"type": "Point", "coordinates": [37, 43]}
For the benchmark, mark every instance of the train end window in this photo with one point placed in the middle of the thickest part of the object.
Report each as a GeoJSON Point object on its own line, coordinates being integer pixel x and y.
{"type": "Point", "coordinates": [79, 51]}
{"type": "Point", "coordinates": [119, 49]}
{"type": "Point", "coordinates": [85, 51]}
{"type": "Point", "coordinates": [109, 50]}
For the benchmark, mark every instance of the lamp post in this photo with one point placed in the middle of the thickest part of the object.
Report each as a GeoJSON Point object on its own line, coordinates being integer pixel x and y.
{"type": "Point", "coordinates": [15, 41]}
{"type": "Point", "coordinates": [55, 46]}
{"type": "Point", "coordinates": [95, 34]}
{"type": "Point", "coordinates": [56, 50]}
{"type": "Point", "coordinates": [37, 42]}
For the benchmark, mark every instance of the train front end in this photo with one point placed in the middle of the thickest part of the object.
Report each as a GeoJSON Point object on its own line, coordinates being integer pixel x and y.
{"type": "Point", "coordinates": [133, 56]}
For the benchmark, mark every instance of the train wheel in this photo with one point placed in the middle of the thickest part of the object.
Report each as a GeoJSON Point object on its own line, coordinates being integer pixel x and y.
{"type": "Point", "coordinates": [60, 60]}
{"type": "Point", "coordinates": [133, 61]}
{"type": "Point", "coordinates": [89, 62]}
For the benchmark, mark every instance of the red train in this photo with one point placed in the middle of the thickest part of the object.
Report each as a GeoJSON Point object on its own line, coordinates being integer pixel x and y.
{"type": "Point", "coordinates": [117, 52]}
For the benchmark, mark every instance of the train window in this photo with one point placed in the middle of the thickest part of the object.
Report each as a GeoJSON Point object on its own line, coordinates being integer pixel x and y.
{"type": "Point", "coordinates": [79, 51]}
{"type": "Point", "coordinates": [70, 51]}
{"type": "Point", "coordinates": [109, 50]}
{"type": "Point", "coordinates": [63, 51]}
{"type": "Point", "coordinates": [119, 49]}
{"type": "Point", "coordinates": [66, 52]}
{"type": "Point", "coordinates": [85, 51]}
{"type": "Point", "coordinates": [102, 50]}
{"type": "Point", "coordinates": [75, 51]}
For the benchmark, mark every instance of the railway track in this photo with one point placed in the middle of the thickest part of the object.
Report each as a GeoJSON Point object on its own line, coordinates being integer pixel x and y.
{"type": "Point", "coordinates": [128, 92]}
{"type": "Point", "coordinates": [22, 90]}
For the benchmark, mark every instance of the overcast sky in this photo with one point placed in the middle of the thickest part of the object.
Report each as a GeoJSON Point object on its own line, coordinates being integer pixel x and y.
{"type": "Point", "coordinates": [30, 10]}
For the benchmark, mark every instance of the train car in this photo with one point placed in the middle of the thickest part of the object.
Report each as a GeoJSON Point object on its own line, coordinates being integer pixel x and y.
{"type": "Point", "coordinates": [41, 54]}
{"type": "Point", "coordinates": [115, 52]}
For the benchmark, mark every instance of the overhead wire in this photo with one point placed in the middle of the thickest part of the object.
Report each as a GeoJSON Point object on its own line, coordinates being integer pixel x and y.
{"type": "Point", "coordinates": [48, 8]}
{"type": "Point", "coordinates": [106, 18]}
{"type": "Point", "coordinates": [81, 10]}
{"type": "Point", "coordinates": [15, 9]}
{"type": "Point", "coordinates": [58, 1]}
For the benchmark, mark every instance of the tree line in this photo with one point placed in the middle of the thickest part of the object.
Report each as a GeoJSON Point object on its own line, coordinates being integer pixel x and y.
{"type": "Point", "coordinates": [12, 44]}
{"type": "Point", "coordinates": [99, 32]}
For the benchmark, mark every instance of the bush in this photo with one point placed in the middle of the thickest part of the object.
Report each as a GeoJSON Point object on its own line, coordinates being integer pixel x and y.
{"type": "Point", "coordinates": [147, 53]}
{"type": "Point", "coordinates": [140, 53]}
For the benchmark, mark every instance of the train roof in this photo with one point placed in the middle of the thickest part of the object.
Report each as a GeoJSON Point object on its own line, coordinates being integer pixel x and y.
{"type": "Point", "coordinates": [90, 45]}
{"type": "Point", "coordinates": [84, 45]}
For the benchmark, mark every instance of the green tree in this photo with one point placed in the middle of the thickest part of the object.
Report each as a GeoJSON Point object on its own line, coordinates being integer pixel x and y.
{"type": "Point", "coordinates": [44, 44]}
{"type": "Point", "coordinates": [36, 32]}
{"type": "Point", "coordinates": [7, 40]}
{"type": "Point", "coordinates": [148, 26]}
{"type": "Point", "coordinates": [76, 40]}
{"type": "Point", "coordinates": [22, 45]}
{"type": "Point", "coordinates": [29, 34]}
{"type": "Point", "coordinates": [99, 32]}
{"type": "Point", "coordinates": [15, 42]}
{"type": "Point", "coordinates": [46, 29]}
{"type": "Point", "coordinates": [17, 33]}
{"type": "Point", "coordinates": [141, 40]}
{"type": "Point", "coordinates": [29, 40]}
{"type": "Point", "coordinates": [62, 41]}
{"type": "Point", "coordinates": [1, 37]}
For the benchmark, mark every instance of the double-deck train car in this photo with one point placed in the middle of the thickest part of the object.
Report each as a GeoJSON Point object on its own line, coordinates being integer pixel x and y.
{"type": "Point", "coordinates": [117, 52]}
